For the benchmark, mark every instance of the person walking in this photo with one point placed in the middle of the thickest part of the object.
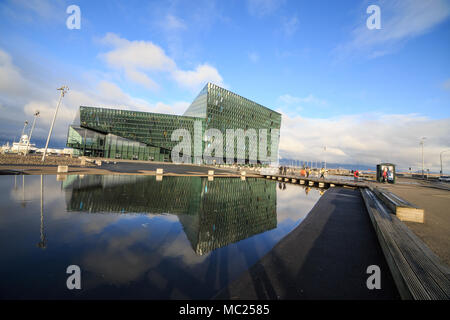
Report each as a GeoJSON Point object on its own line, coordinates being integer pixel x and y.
{"type": "Point", "coordinates": [308, 171]}
{"type": "Point", "coordinates": [322, 173]}
{"type": "Point", "coordinates": [356, 175]}
{"type": "Point", "coordinates": [303, 172]}
{"type": "Point", "coordinates": [385, 175]}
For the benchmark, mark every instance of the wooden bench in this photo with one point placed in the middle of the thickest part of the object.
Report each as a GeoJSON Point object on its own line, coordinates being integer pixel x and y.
{"type": "Point", "coordinates": [403, 209]}
{"type": "Point", "coordinates": [417, 271]}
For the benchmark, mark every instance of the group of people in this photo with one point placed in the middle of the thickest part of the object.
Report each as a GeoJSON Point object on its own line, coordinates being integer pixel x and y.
{"type": "Point", "coordinates": [282, 186]}
{"type": "Point", "coordinates": [387, 175]}
{"type": "Point", "coordinates": [282, 170]}
{"type": "Point", "coordinates": [305, 172]}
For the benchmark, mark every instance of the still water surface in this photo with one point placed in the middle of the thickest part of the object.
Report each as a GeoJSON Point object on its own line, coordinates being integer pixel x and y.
{"type": "Point", "coordinates": [137, 238]}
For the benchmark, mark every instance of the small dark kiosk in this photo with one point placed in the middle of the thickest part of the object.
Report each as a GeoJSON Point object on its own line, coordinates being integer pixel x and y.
{"type": "Point", "coordinates": [390, 172]}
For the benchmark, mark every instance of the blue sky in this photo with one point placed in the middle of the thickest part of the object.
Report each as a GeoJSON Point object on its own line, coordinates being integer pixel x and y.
{"type": "Point", "coordinates": [336, 82]}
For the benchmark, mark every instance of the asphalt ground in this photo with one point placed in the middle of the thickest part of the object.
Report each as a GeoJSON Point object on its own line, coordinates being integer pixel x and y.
{"type": "Point", "coordinates": [325, 257]}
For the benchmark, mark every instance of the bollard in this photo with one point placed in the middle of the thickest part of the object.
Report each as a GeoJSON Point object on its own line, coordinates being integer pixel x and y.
{"type": "Point", "coordinates": [302, 181]}
{"type": "Point", "coordinates": [243, 173]}
{"type": "Point", "coordinates": [210, 172]}
{"type": "Point", "coordinates": [331, 185]}
{"type": "Point", "coordinates": [273, 178]}
{"type": "Point", "coordinates": [311, 183]}
{"type": "Point", "coordinates": [294, 180]}
{"type": "Point", "coordinates": [98, 162]}
{"type": "Point", "coordinates": [159, 171]}
{"type": "Point", "coordinates": [63, 169]}
{"type": "Point", "coordinates": [321, 184]}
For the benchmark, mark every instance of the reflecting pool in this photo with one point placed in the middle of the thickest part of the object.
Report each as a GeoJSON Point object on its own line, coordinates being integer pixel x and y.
{"type": "Point", "coordinates": [134, 237]}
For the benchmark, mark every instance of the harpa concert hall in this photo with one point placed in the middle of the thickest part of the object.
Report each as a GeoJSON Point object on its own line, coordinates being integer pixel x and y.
{"type": "Point", "coordinates": [133, 135]}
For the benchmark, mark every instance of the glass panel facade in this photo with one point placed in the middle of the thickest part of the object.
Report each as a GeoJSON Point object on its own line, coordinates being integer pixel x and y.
{"type": "Point", "coordinates": [228, 110]}
{"type": "Point", "coordinates": [124, 134]}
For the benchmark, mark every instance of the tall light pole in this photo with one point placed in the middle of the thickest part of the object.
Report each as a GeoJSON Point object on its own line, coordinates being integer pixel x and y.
{"type": "Point", "coordinates": [422, 142]}
{"type": "Point", "coordinates": [325, 156]}
{"type": "Point", "coordinates": [23, 130]}
{"type": "Point", "coordinates": [440, 156]}
{"type": "Point", "coordinates": [63, 90]}
{"type": "Point", "coordinates": [36, 114]}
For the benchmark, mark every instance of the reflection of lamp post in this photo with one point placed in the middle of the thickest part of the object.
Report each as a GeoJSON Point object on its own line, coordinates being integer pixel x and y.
{"type": "Point", "coordinates": [422, 141]}
{"type": "Point", "coordinates": [440, 156]}
{"type": "Point", "coordinates": [63, 89]}
{"type": "Point", "coordinates": [23, 190]}
{"type": "Point", "coordinates": [43, 243]}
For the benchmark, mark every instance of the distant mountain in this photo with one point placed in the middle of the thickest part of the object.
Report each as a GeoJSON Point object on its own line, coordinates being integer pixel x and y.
{"type": "Point", "coordinates": [290, 162]}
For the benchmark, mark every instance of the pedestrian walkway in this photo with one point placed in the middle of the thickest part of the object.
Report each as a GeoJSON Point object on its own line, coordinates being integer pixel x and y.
{"type": "Point", "coordinates": [325, 257]}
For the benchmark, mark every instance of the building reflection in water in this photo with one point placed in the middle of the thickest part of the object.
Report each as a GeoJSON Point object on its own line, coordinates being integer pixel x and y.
{"type": "Point", "coordinates": [213, 213]}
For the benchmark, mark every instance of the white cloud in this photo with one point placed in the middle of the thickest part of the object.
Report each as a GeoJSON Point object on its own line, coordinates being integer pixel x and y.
{"type": "Point", "coordinates": [174, 23]}
{"type": "Point", "coordinates": [136, 54]}
{"type": "Point", "coordinates": [292, 103]}
{"type": "Point", "coordinates": [446, 85]}
{"type": "Point", "coordinates": [141, 78]}
{"type": "Point", "coordinates": [290, 25]}
{"type": "Point", "coordinates": [29, 10]}
{"type": "Point", "coordinates": [400, 21]}
{"type": "Point", "coordinates": [135, 58]}
{"type": "Point", "coordinates": [365, 138]}
{"type": "Point", "coordinates": [253, 56]}
{"type": "Point", "coordinates": [262, 8]}
{"type": "Point", "coordinates": [138, 59]}
{"type": "Point", "coordinates": [198, 77]}
{"type": "Point", "coordinates": [11, 81]}
{"type": "Point", "coordinates": [20, 98]}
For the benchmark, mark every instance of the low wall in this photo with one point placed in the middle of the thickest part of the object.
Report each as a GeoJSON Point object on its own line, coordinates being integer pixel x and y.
{"type": "Point", "coordinates": [16, 159]}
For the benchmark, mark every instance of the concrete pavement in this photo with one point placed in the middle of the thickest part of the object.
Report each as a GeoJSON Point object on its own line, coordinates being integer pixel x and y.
{"type": "Point", "coordinates": [325, 257]}
{"type": "Point", "coordinates": [435, 232]}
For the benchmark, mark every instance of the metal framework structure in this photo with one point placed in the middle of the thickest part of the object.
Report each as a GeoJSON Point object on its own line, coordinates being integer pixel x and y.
{"type": "Point", "coordinates": [124, 134]}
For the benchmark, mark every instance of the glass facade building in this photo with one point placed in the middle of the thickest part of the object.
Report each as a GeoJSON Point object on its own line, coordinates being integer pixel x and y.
{"type": "Point", "coordinates": [124, 134]}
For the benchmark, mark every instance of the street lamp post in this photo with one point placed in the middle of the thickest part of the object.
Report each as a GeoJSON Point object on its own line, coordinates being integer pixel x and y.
{"type": "Point", "coordinates": [63, 90]}
{"type": "Point", "coordinates": [23, 130]}
{"type": "Point", "coordinates": [422, 141]}
{"type": "Point", "coordinates": [36, 114]}
{"type": "Point", "coordinates": [440, 156]}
